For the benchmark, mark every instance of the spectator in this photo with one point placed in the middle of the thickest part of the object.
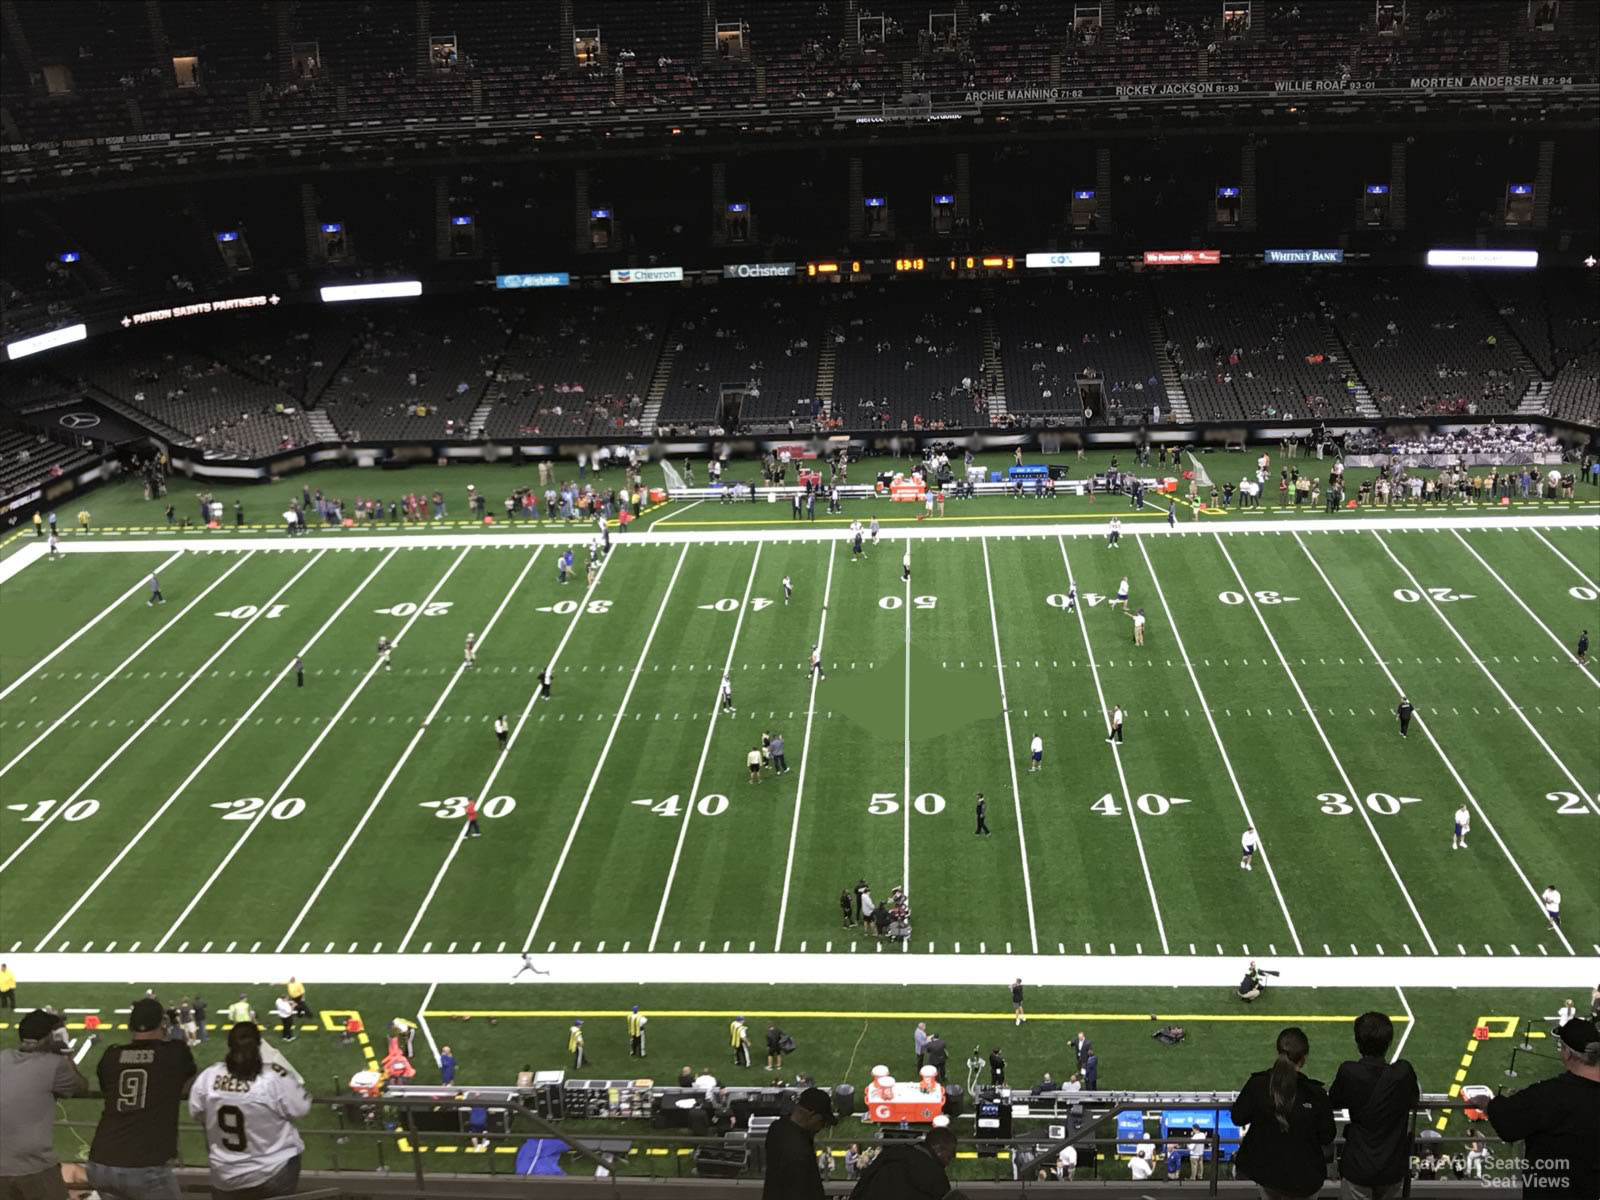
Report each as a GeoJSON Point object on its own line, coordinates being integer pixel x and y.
{"type": "Point", "coordinates": [1557, 1118]}
{"type": "Point", "coordinates": [1379, 1096]}
{"type": "Point", "coordinates": [248, 1106]}
{"type": "Point", "coordinates": [447, 1066]}
{"type": "Point", "coordinates": [32, 1077]}
{"type": "Point", "coordinates": [911, 1170]}
{"type": "Point", "coordinates": [143, 1082]}
{"type": "Point", "coordinates": [1291, 1124]}
{"type": "Point", "coordinates": [791, 1149]}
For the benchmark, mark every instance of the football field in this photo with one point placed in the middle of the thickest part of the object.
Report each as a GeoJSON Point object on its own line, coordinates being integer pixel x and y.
{"type": "Point", "coordinates": [168, 785]}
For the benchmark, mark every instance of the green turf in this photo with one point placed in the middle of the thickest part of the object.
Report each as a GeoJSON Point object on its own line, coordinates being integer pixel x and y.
{"type": "Point", "coordinates": [351, 788]}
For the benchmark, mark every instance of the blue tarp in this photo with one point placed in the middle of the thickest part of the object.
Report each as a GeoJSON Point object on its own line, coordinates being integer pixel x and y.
{"type": "Point", "coordinates": [541, 1156]}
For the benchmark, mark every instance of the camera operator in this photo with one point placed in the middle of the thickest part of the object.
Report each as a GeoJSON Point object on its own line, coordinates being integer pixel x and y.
{"type": "Point", "coordinates": [33, 1075]}
{"type": "Point", "coordinates": [1253, 983]}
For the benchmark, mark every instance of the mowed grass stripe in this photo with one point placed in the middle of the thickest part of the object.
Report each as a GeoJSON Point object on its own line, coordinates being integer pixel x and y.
{"type": "Point", "coordinates": [856, 759]}
{"type": "Point", "coordinates": [341, 774]}
{"type": "Point", "coordinates": [1191, 833]}
{"type": "Point", "coordinates": [1483, 748]}
{"type": "Point", "coordinates": [55, 609]}
{"type": "Point", "coordinates": [746, 848]}
{"type": "Point", "coordinates": [186, 844]}
{"type": "Point", "coordinates": [1074, 849]}
{"type": "Point", "coordinates": [1476, 815]}
{"type": "Point", "coordinates": [1512, 651]}
{"type": "Point", "coordinates": [76, 681]}
{"type": "Point", "coordinates": [124, 717]}
{"type": "Point", "coordinates": [1279, 759]}
{"type": "Point", "coordinates": [554, 760]}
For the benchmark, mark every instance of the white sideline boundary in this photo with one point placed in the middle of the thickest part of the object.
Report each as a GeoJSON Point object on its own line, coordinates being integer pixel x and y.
{"type": "Point", "coordinates": [1064, 970]}
{"type": "Point", "coordinates": [350, 540]}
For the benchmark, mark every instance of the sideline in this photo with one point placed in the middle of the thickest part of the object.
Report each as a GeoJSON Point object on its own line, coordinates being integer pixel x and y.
{"type": "Point", "coordinates": [350, 540]}
{"type": "Point", "coordinates": [888, 969]}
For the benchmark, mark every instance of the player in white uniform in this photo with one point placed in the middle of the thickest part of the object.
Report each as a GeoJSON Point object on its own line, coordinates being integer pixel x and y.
{"type": "Point", "coordinates": [1122, 594]}
{"type": "Point", "coordinates": [1072, 598]}
{"type": "Point", "coordinates": [1552, 904]}
{"type": "Point", "coordinates": [727, 694]}
{"type": "Point", "coordinates": [384, 650]}
{"type": "Point", "coordinates": [873, 529]}
{"type": "Point", "coordinates": [1463, 826]}
{"type": "Point", "coordinates": [1248, 845]}
{"type": "Point", "coordinates": [855, 540]}
{"type": "Point", "coordinates": [248, 1105]}
{"type": "Point", "coordinates": [470, 653]}
{"type": "Point", "coordinates": [1114, 537]}
{"type": "Point", "coordinates": [1036, 750]}
{"type": "Point", "coordinates": [788, 589]}
{"type": "Point", "coordinates": [905, 566]}
{"type": "Point", "coordinates": [816, 663]}
{"type": "Point", "coordinates": [55, 546]}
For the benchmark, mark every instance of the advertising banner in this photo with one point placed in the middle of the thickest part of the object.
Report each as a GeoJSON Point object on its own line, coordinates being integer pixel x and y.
{"type": "Point", "coordinates": [1296, 257]}
{"type": "Point", "coordinates": [1182, 258]}
{"type": "Point", "coordinates": [772, 270]}
{"type": "Point", "coordinates": [647, 275]}
{"type": "Point", "coordinates": [542, 279]}
{"type": "Point", "coordinates": [1063, 258]}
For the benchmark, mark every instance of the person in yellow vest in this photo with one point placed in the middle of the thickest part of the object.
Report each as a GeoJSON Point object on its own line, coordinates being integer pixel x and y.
{"type": "Point", "coordinates": [38, 524]}
{"type": "Point", "coordinates": [296, 991]}
{"type": "Point", "coordinates": [636, 1023]}
{"type": "Point", "coordinates": [240, 1010]}
{"type": "Point", "coordinates": [8, 988]}
{"type": "Point", "coordinates": [739, 1038]}
{"type": "Point", "coordinates": [575, 1044]}
{"type": "Point", "coordinates": [83, 519]}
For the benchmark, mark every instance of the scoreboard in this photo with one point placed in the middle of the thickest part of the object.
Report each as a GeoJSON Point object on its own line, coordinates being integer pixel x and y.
{"type": "Point", "coordinates": [949, 266]}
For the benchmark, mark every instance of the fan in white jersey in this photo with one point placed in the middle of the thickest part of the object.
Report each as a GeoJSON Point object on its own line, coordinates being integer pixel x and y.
{"type": "Point", "coordinates": [471, 651]}
{"type": "Point", "coordinates": [1463, 827]}
{"type": "Point", "coordinates": [1248, 845]}
{"type": "Point", "coordinates": [248, 1104]}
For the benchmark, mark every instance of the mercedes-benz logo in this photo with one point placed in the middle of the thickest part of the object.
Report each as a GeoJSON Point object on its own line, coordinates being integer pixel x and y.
{"type": "Point", "coordinates": [80, 420]}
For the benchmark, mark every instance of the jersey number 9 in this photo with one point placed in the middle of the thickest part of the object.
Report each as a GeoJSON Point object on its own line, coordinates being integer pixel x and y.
{"type": "Point", "coordinates": [230, 1123]}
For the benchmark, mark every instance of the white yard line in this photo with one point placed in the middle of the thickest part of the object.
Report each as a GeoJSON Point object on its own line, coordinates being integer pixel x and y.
{"type": "Point", "coordinates": [1011, 750]}
{"type": "Point", "coordinates": [1427, 732]}
{"type": "Point", "coordinates": [905, 802]}
{"type": "Point", "coordinates": [194, 676]}
{"type": "Point", "coordinates": [87, 625]}
{"type": "Point", "coordinates": [505, 754]}
{"type": "Point", "coordinates": [1350, 788]}
{"type": "Point", "coordinates": [405, 756]}
{"type": "Point", "coordinates": [13, 566]}
{"type": "Point", "coordinates": [1522, 604]}
{"type": "Point", "coordinates": [233, 728]}
{"type": "Point", "coordinates": [422, 1021]}
{"type": "Point", "coordinates": [705, 750]}
{"type": "Point", "coordinates": [112, 675]}
{"type": "Point", "coordinates": [675, 513]}
{"type": "Point", "coordinates": [1405, 1034]}
{"type": "Point", "coordinates": [1554, 549]}
{"type": "Point", "coordinates": [805, 746]}
{"type": "Point", "coordinates": [1588, 796]}
{"type": "Point", "coordinates": [1149, 971]}
{"type": "Point", "coordinates": [294, 772]}
{"type": "Point", "coordinates": [1116, 753]}
{"type": "Point", "coordinates": [1205, 708]}
{"type": "Point", "coordinates": [605, 753]}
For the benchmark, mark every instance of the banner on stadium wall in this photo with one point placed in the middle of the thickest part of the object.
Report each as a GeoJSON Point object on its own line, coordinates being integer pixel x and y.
{"type": "Point", "coordinates": [1199, 89]}
{"type": "Point", "coordinates": [772, 270]}
{"type": "Point", "coordinates": [198, 309]}
{"type": "Point", "coordinates": [1064, 258]}
{"type": "Point", "coordinates": [647, 275]}
{"type": "Point", "coordinates": [1300, 257]}
{"type": "Point", "coordinates": [1182, 258]}
{"type": "Point", "coordinates": [1483, 258]}
{"type": "Point", "coordinates": [372, 291]}
{"type": "Point", "coordinates": [542, 279]}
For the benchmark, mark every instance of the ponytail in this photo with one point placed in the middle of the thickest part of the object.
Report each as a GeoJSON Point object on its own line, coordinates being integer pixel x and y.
{"type": "Point", "coordinates": [244, 1051]}
{"type": "Point", "coordinates": [1293, 1047]}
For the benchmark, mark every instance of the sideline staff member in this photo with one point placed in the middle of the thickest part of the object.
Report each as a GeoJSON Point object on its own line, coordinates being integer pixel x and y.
{"type": "Point", "coordinates": [143, 1082]}
{"type": "Point", "coordinates": [1557, 1118]}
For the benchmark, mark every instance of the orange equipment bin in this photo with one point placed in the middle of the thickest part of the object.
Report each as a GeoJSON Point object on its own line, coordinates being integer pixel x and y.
{"type": "Point", "coordinates": [889, 1101]}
